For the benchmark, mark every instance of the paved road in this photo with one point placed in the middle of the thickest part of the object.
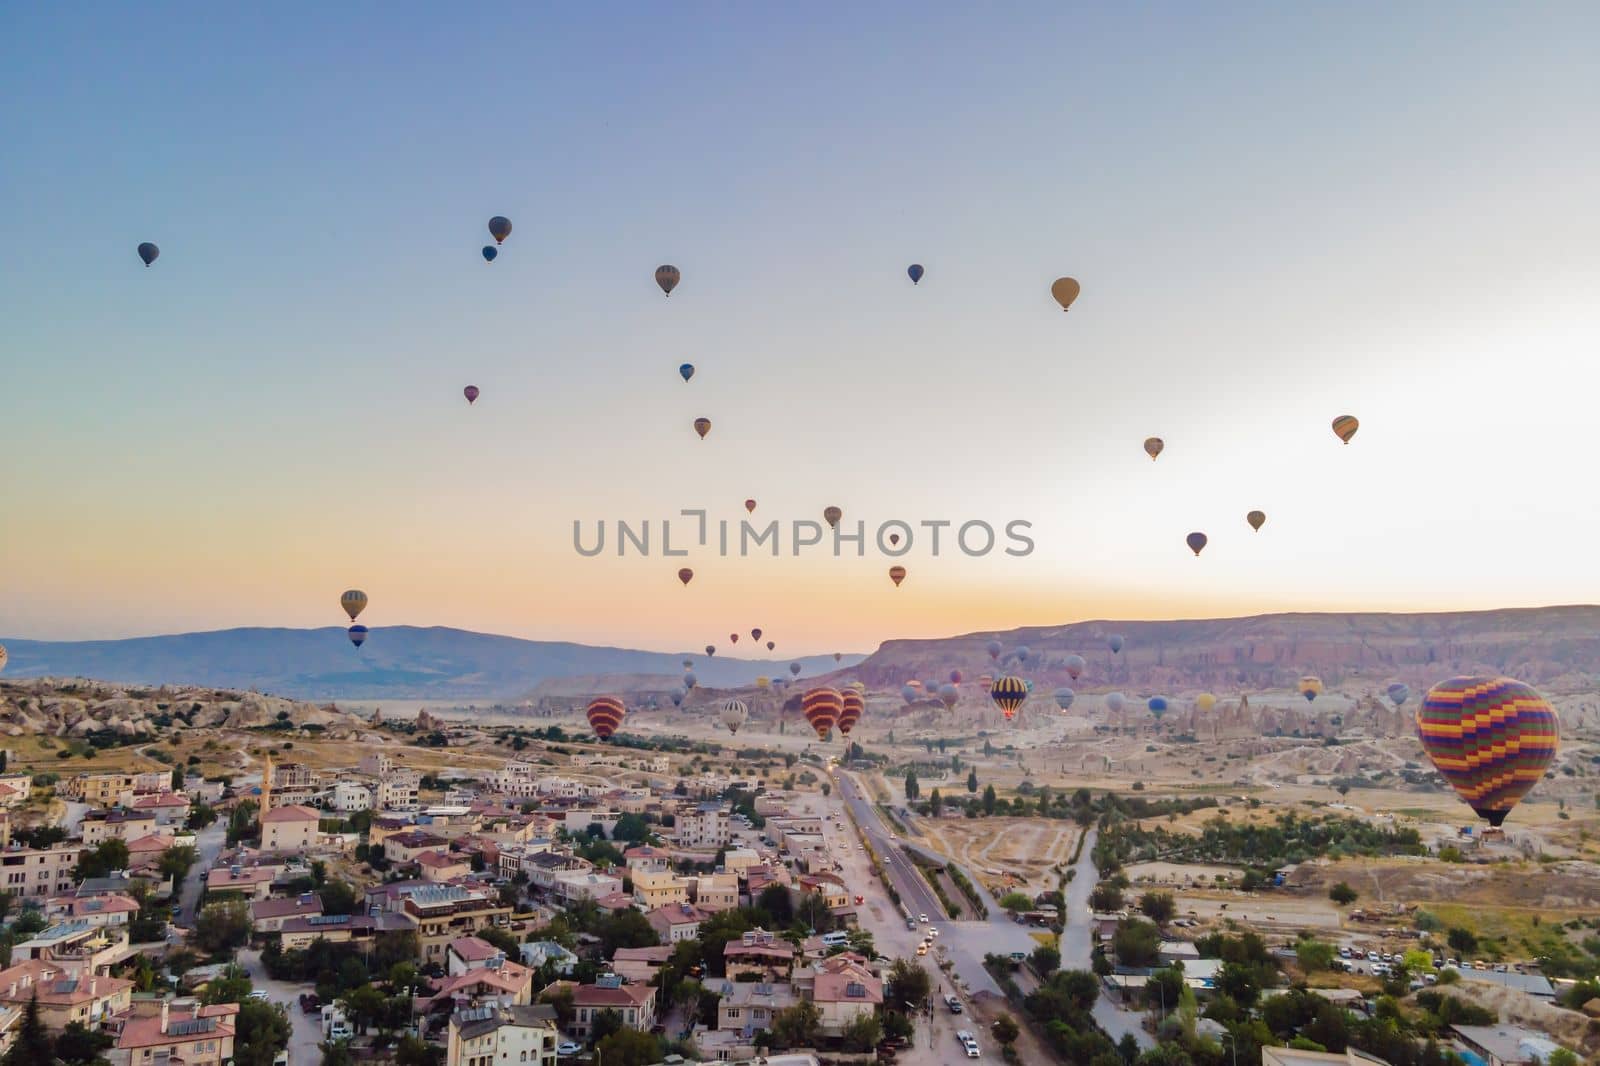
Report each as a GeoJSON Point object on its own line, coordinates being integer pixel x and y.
{"type": "Point", "coordinates": [305, 1029]}
{"type": "Point", "coordinates": [1077, 946]}
{"type": "Point", "coordinates": [915, 892]}
{"type": "Point", "coordinates": [207, 845]}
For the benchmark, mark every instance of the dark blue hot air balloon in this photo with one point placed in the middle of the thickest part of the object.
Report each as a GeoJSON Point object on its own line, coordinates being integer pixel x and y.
{"type": "Point", "coordinates": [687, 370]}
{"type": "Point", "coordinates": [914, 271]}
{"type": "Point", "coordinates": [489, 252]}
{"type": "Point", "coordinates": [148, 252]}
{"type": "Point", "coordinates": [358, 635]}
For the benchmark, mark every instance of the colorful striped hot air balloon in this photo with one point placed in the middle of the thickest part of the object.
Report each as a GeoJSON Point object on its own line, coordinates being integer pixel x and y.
{"type": "Point", "coordinates": [1345, 426]}
{"type": "Point", "coordinates": [1008, 694]}
{"type": "Point", "coordinates": [354, 601]}
{"type": "Point", "coordinates": [1310, 687]}
{"type": "Point", "coordinates": [821, 706]}
{"type": "Point", "coordinates": [357, 635]}
{"type": "Point", "coordinates": [1491, 737]}
{"type": "Point", "coordinates": [851, 707]}
{"type": "Point", "coordinates": [605, 715]}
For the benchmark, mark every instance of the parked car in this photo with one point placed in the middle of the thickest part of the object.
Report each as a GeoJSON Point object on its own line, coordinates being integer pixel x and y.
{"type": "Point", "coordinates": [567, 1047]}
{"type": "Point", "coordinates": [953, 1003]}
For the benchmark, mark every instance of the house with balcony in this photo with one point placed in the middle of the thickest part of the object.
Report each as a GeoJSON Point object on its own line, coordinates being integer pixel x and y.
{"type": "Point", "coordinates": [635, 1004]}
{"type": "Point", "coordinates": [184, 1033]}
{"type": "Point", "coordinates": [64, 996]}
{"type": "Point", "coordinates": [502, 1036]}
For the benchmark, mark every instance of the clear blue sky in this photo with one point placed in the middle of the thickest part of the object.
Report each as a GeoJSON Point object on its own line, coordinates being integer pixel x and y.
{"type": "Point", "coordinates": [1279, 213]}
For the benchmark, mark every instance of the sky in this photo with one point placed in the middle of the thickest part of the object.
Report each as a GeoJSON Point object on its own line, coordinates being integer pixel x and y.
{"type": "Point", "coordinates": [1278, 214]}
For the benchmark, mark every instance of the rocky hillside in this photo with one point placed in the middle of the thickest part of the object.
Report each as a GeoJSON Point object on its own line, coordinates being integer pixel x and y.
{"type": "Point", "coordinates": [77, 708]}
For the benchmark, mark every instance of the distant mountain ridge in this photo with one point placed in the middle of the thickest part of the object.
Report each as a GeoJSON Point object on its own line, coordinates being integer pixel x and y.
{"type": "Point", "coordinates": [398, 662]}
{"type": "Point", "coordinates": [1539, 645]}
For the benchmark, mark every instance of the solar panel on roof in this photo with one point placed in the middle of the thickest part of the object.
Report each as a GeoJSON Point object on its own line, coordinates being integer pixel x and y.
{"type": "Point", "coordinates": [191, 1027]}
{"type": "Point", "coordinates": [329, 919]}
{"type": "Point", "coordinates": [855, 990]}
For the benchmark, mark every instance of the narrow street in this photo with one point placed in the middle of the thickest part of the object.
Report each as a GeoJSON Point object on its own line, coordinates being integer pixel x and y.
{"type": "Point", "coordinates": [305, 1029]}
{"type": "Point", "coordinates": [208, 844]}
{"type": "Point", "coordinates": [1077, 947]}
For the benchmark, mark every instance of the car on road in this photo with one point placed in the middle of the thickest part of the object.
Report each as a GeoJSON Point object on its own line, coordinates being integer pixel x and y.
{"type": "Point", "coordinates": [260, 996]}
{"type": "Point", "coordinates": [953, 1003]}
{"type": "Point", "coordinates": [922, 949]}
{"type": "Point", "coordinates": [911, 923]}
{"type": "Point", "coordinates": [933, 930]}
{"type": "Point", "coordinates": [567, 1047]}
{"type": "Point", "coordinates": [922, 918]}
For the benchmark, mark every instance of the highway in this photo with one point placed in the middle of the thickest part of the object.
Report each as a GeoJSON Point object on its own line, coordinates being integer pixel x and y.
{"type": "Point", "coordinates": [915, 893]}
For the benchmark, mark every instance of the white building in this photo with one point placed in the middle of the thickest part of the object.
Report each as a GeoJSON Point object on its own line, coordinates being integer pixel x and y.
{"type": "Point", "coordinates": [706, 826]}
{"type": "Point", "coordinates": [347, 797]}
{"type": "Point", "coordinates": [500, 1036]}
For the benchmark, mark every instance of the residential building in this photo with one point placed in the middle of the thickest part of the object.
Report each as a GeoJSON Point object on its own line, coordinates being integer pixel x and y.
{"type": "Point", "coordinates": [571, 885]}
{"type": "Point", "coordinates": [348, 797]}
{"type": "Point", "coordinates": [401, 790]}
{"type": "Point", "coordinates": [504, 983]}
{"type": "Point", "coordinates": [643, 858]}
{"type": "Point", "coordinates": [1506, 1045]}
{"type": "Point", "coordinates": [636, 1004]}
{"type": "Point", "coordinates": [538, 952]}
{"type": "Point", "coordinates": [842, 991]}
{"type": "Point", "coordinates": [169, 808]}
{"type": "Point", "coordinates": [304, 930]}
{"type": "Point", "coordinates": [1287, 1056]}
{"type": "Point", "coordinates": [751, 1005]}
{"type": "Point", "coordinates": [268, 915]}
{"type": "Point", "coordinates": [442, 866]}
{"type": "Point", "coordinates": [680, 921]}
{"type": "Point", "coordinates": [115, 824]}
{"type": "Point", "coordinates": [290, 784]}
{"type": "Point", "coordinates": [64, 996]}
{"type": "Point", "coordinates": [111, 909]}
{"type": "Point", "coordinates": [703, 826]}
{"type": "Point", "coordinates": [159, 1033]}
{"type": "Point", "coordinates": [502, 1036]}
{"type": "Point", "coordinates": [290, 828]}
{"type": "Point", "coordinates": [716, 892]}
{"type": "Point", "coordinates": [658, 888]}
{"type": "Point", "coordinates": [39, 872]}
{"type": "Point", "coordinates": [111, 789]}
{"type": "Point", "coordinates": [445, 912]}
{"type": "Point", "coordinates": [640, 965]}
{"type": "Point", "coordinates": [737, 860]}
{"type": "Point", "coordinates": [249, 882]}
{"type": "Point", "coordinates": [77, 946]}
{"type": "Point", "coordinates": [377, 764]}
{"type": "Point", "coordinates": [759, 952]}
{"type": "Point", "coordinates": [405, 847]}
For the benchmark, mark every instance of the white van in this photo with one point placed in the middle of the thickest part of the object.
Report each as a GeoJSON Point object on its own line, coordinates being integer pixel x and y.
{"type": "Point", "coordinates": [834, 940]}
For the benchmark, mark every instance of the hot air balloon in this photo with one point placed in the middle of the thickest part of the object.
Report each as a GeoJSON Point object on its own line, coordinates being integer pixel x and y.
{"type": "Point", "coordinates": [1310, 687]}
{"type": "Point", "coordinates": [1345, 426]}
{"type": "Point", "coordinates": [686, 575]}
{"type": "Point", "coordinates": [686, 371]}
{"type": "Point", "coordinates": [1153, 447]}
{"type": "Point", "coordinates": [357, 634]}
{"type": "Point", "coordinates": [148, 252]}
{"type": "Point", "coordinates": [851, 707]}
{"type": "Point", "coordinates": [1399, 692]}
{"type": "Point", "coordinates": [1205, 703]}
{"type": "Point", "coordinates": [910, 693]}
{"type": "Point", "coordinates": [1491, 737]}
{"type": "Point", "coordinates": [605, 715]}
{"type": "Point", "coordinates": [702, 426]}
{"type": "Point", "coordinates": [1065, 290]}
{"type": "Point", "coordinates": [689, 680]}
{"type": "Point", "coordinates": [1196, 542]}
{"type": "Point", "coordinates": [794, 668]}
{"type": "Point", "coordinates": [489, 253]}
{"type": "Point", "coordinates": [1023, 654]}
{"type": "Point", "coordinates": [1115, 701]}
{"type": "Point", "coordinates": [894, 540]}
{"type": "Point", "coordinates": [1008, 693]}
{"type": "Point", "coordinates": [471, 393]}
{"type": "Point", "coordinates": [771, 644]}
{"type": "Point", "coordinates": [763, 683]}
{"type": "Point", "coordinates": [500, 228]}
{"type": "Point", "coordinates": [354, 601]}
{"type": "Point", "coordinates": [897, 574]}
{"type": "Point", "coordinates": [734, 712]}
{"type": "Point", "coordinates": [750, 506]}
{"type": "Point", "coordinates": [832, 514]}
{"type": "Point", "coordinates": [915, 272]}
{"type": "Point", "coordinates": [1114, 642]}
{"type": "Point", "coordinates": [1158, 706]}
{"type": "Point", "coordinates": [733, 638]}
{"type": "Point", "coordinates": [838, 655]}
{"type": "Point", "coordinates": [993, 648]}
{"type": "Point", "coordinates": [955, 677]}
{"type": "Point", "coordinates": [1064, 697]}
{"type": "Point", "coordinates": [821, 707]}
{"type": "Point", "coordinates": [711, 649]}
{"type": "Point", "coordinates": [1075, 666]}
{"type": "Point", "coordinates": [949, 695]}
{"type": "Point", "coordinates": [677, 696]}
{"type": "Point", "coordinates": [668, 276]}
{"type": "Point", "coordinates": [1257, 519]}
{"type": "Point", "coordinates": [755, 634]}
{"type": "Point", "coordinates": [688, 664]}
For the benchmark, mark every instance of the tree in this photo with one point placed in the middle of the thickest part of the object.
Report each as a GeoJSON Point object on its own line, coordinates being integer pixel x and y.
{"type": "Point", "coordinates": [364, 1006]}
{"type": "Point", "coordinates": [629, 1047]}
{"type": "Point", "coordinates": [797, 1026]}
{"type": "Point", "coordinates": [632, 828]}
{"type": "Point", "coordinates": [1461, 940]}
{"type": "Point", "coordinates": [935, 803]}
{"type": "Point", "coordinates": [1164, 988]}
{"type": "Point", "coordinates": [505, 942]}
{"type": "Point", "coordinates": [233, 985]}
{"type": "Point", "coordinates": [1046, 960]}
{"type": "Point", "coordinates": [1159, 907]}
{"type": "Point", "coordinates": [1136, 942]}
{"type": "Point", "coordinates": [1015, 901]}
{"type": "Point", "coordinates": [262, 1031]}
{"type": "Point", "coordinates": [989, 799]}
{"type": "Point", "coordinates": [79, 1045]}
{"type": "Point", "coordinates": [1343, 894]}
{"type": "Point", "coordinates": [176, 862]}
{"type": "Point", "coordinates": [863, 1032]}
{"type": "Point", "coordinates": [972, 781]}
{"type": "Point", "coordinates": [222, 927]}
{"type": "Point", "coordinates": [1005, 1030]}
{"type": "Point", "coordinates": [776, 903]}
{"type": "Point", "coordinates": [913, 789]}
{"type": "Point", "coordinates": [109, 855]}
{"type": "Point", "coordinates": [604, 1024]}
{"type": "Point", "coordinates": [1106, 898]}
{"type": "Point", "coordinates": [626, 928]}
{"type": "Point", "coordinates": [32, 1044]}
{"type": "Point", "coordinates": [908, 982]}
{"type": "Point", "coordinates": [338, 897]}
{"type": "Point", "coordinates": [1562, 1057]}
{"type": "Point", "coordinates": [1313, 955]}
{"type": "Point", "coordinates": [1239, 982]}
